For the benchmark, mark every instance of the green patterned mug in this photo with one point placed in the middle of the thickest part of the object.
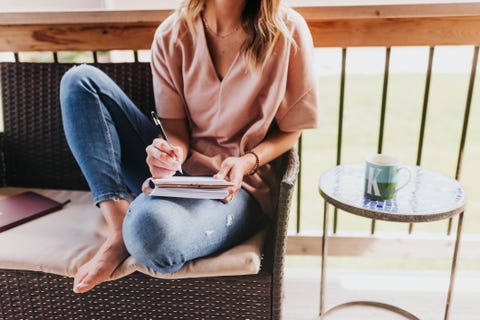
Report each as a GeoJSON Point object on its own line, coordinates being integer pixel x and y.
{"type": "Point", "coordinates": [381, 176]}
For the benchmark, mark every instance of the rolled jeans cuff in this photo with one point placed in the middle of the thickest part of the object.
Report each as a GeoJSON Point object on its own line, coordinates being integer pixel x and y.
{"type": "Point", "coordinates": [112, 196]}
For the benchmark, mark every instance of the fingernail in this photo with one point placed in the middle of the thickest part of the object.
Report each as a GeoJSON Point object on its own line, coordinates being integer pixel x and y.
{"type": "Point", "coordinates": [79, 286]}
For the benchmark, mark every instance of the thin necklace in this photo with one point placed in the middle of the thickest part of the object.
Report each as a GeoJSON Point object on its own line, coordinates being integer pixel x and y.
{"type": "Point", "coordinates": [221, 36]}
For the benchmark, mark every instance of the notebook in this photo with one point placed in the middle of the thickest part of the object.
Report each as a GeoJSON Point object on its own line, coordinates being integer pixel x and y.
{"type": "Point", "coordinates": [23, 207]}
{"type": "Point", "coordinates": [191, 187]}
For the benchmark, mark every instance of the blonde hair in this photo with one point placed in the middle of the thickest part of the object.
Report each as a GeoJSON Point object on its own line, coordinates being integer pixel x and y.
{"type": "Point", "coordinates": [261, 20]}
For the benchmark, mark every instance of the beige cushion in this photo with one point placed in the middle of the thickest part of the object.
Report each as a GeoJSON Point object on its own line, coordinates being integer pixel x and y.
{"type": "Point", "coordinates": [63, 241]}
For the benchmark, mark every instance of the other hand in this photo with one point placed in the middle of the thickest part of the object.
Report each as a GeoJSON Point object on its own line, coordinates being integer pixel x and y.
{"type": "Point", "coordinates": [233, 169]}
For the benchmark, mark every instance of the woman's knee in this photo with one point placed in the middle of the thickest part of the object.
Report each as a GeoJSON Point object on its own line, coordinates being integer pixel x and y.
{"type": "Point", "coordinates": [82, 78]}
{"type": "Point", "coordinates": [152, 239]}
{"type": "Point", "coordinates": [78, 86]}
{"type": "Point", "coordinates": [79, 75]}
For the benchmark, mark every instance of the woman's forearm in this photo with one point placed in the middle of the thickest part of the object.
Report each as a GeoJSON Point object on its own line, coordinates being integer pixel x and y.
{"type": "Point", "coordinates": [177, 131]}
{"type": "Point", "coordinates": [275, 144]}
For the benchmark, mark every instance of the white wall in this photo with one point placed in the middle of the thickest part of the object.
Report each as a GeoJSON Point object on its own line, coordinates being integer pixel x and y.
{"type": "Point", "coordinates": [141, 4]}
{"type": "Point", "coordinates": [48, 5]}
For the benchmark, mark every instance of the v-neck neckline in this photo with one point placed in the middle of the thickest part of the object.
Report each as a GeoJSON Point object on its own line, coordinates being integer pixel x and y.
{"type": "Point", "coordinates": [212, 67]}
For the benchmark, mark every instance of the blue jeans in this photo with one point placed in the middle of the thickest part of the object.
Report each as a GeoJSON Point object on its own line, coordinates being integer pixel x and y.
{"type": "Point", "coordinates": [108, 135]}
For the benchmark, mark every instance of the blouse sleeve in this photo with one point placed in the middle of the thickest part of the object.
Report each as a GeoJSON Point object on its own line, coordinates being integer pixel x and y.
{"type": "Point", "coordinates": [166, 76]}
{"type": "Point", "coordinates": [298, 109]}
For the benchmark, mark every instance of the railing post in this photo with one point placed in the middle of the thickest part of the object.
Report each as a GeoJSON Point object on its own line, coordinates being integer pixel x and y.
{"type": "Point", "coordinates": [340, 124]}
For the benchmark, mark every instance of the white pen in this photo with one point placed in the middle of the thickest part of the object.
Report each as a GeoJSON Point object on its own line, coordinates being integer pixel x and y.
{"type": "Point", "coordinates": [157, 122]}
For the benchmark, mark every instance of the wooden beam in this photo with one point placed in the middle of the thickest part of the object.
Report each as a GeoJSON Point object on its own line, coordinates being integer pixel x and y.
{"type": "Point", "coordinates": [396, 32]}
{"type": "Point", "coordinates": [87, 30]}
{"type": "Point", "coordinates": [319, 13]}
{"type": "Point", "coordinates": [316, 13]}
{"type": "Point", "coordinates": [391, 245]}
{"type": "Point", "coordinates": [345, 26]}
{"type": "Point", "coordinates": [89, 37]}
{"type": "Point", "coordinates": [102, 17]}
{"type": "Point", "coordinates": [394, 25]}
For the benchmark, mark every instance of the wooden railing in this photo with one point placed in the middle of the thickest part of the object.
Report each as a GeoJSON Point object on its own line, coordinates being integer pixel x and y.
{"type": "Point", "coordinates": [343, 26]}
{"type": "Point", "coordinates": [339, 27]}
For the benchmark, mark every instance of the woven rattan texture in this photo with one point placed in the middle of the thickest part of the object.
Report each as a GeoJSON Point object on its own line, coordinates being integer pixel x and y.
{"type": "Point", "coordinates": [278, 238]}
{"type": "Point", "coordinates": [35, 295]}
{"type": "Point", "coordinates": [36, 153]}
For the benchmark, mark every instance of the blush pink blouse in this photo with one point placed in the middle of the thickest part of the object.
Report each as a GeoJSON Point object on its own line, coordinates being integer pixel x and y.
{"type": "Point", "coordinates": [230, 116]}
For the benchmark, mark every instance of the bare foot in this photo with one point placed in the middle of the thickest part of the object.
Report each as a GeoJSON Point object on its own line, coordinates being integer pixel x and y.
{"type": "Point", "coordinates": [101, 266]}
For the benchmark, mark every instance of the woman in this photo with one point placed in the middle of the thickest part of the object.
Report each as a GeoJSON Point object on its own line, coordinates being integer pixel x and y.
{"type": "Point", "coordinates": [234, 88]}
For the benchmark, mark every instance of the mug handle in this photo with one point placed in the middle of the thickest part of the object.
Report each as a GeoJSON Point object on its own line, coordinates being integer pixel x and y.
{"type": "Point", "coordinates": [409, 177]}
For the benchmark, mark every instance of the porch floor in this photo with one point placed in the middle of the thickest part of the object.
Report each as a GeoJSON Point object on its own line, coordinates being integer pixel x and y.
{"type": "Point", "coordinates": [422, 293]}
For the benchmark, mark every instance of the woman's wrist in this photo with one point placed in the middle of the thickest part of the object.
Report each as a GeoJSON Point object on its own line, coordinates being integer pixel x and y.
{"type": "Point", "coordinates": [255, 163]}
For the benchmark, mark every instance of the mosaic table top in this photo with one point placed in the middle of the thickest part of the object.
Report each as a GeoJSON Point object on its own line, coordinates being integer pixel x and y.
{"type": "Point", "coordinates": [429, 196]}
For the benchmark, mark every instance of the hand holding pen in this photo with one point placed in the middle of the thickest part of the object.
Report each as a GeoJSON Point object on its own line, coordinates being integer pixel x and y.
{"type": "Point", "coordinates": [157, 123]}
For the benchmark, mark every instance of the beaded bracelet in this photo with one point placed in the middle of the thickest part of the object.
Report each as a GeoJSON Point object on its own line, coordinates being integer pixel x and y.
{"type": "Point", "coordinates": [257, 163]}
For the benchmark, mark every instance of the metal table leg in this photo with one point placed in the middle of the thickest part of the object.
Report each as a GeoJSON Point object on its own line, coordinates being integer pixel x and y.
{"type": "Point", "coordinates": [374, 304]}
{"type": "Point", "coordinates": [454, 265]}
{"type": "Point", "coordinates": [324, 256]}
{"type": "Point", "coordinates": [397, 310]}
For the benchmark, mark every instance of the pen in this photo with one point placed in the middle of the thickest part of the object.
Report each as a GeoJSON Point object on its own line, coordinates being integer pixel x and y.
{"type": "Point", "coordinates": [156, 121]}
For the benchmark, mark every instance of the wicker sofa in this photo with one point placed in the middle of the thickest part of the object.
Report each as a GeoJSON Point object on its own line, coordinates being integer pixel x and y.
{"type": "Point", "coordinates": [34, 154]}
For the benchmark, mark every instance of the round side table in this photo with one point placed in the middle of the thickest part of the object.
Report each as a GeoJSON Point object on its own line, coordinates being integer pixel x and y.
{"type": "Point", "coordinates": [429, 196]}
